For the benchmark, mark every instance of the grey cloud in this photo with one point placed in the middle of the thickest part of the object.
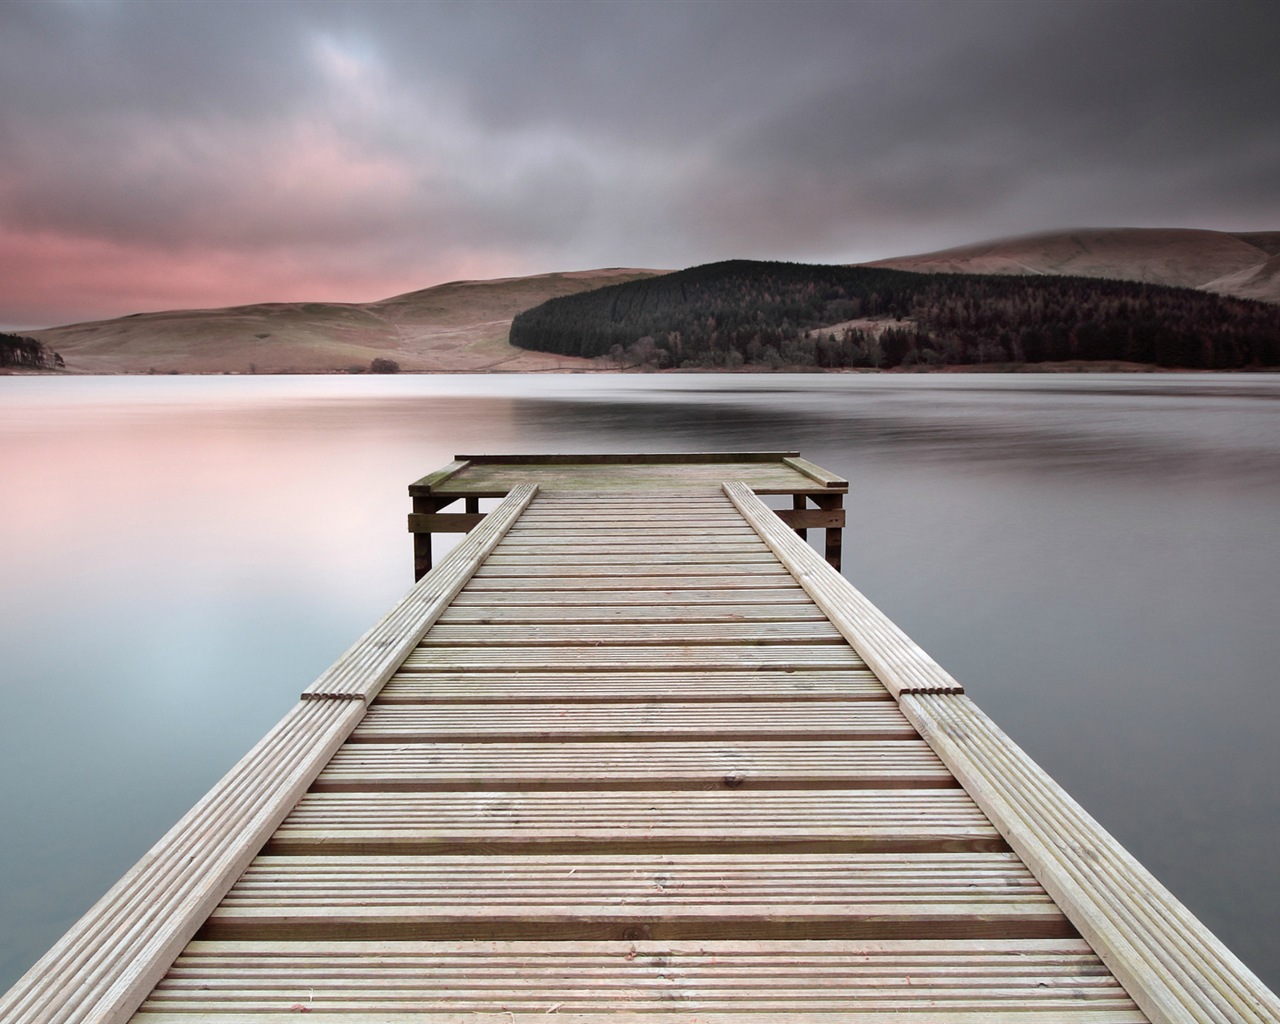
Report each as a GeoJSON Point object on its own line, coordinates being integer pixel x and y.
{"type": "Point", "coordinates": [652, 133]}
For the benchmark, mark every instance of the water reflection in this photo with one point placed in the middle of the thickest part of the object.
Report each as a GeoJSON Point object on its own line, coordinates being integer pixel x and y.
{"type": "Point", "coordinates": [1093, 557]}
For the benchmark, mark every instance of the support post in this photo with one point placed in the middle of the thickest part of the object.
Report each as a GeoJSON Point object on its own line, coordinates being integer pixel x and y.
{"type": "Point", "coordinates": [798, 504]}
{"type": "Point", "coordinates": [422, 538]}
{"type": "Point", "coordinates": [422, 541]}
{"type": "Point", "coordinates": [834, 538]}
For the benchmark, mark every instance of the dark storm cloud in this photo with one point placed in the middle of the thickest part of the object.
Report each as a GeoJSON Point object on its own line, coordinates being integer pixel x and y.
{"type": "Point", "coordinates": [359, 148]}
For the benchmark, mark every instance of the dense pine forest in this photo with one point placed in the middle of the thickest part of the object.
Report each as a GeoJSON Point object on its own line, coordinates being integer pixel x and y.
{"type": "Point", "coordinates": [726, 315]}
{"type": "Point", "coordinates": [16, 350]}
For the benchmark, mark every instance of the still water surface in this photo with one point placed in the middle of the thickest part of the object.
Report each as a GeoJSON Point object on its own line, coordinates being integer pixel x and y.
{"type": "Point", "coordinates": [1095, 557]}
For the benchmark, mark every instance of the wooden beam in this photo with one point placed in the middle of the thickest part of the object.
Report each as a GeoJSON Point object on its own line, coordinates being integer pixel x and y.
{"type": "Point", "coordinates": [433, 480]}
{"type": "Point", "coordinates": [447, 522]}
{"type": "Point", "coordinates": [816, 473]}
{"type": "Point", "coordinates": [612, 459]}
{"type": "Point", "coordinates": [812, 518]}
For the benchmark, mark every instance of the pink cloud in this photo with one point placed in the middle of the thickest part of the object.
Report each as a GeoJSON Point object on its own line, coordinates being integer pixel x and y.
{"type": "Point", "coordinates": [48, 279]}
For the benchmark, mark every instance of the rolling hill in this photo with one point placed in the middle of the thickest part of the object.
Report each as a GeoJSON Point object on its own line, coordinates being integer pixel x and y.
{"type": "Point", "coordinates": [463, 326]}
{"type": "Point", "coordinates": [744, 313]}
{"type": "Point", "coordinates": [457, 327]}
{"type": "Point", "coordinates": [1245, 265]}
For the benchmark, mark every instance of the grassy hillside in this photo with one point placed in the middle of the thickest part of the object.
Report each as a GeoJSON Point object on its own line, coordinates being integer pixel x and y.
{"type": "Point", "coordinates": [1216, 261]}
{"type": "Point", "coordinates": [460, 326]}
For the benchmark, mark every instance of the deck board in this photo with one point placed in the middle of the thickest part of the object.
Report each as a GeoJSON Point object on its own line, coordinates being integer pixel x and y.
{"type": "Point", "coordinates": [664, 764]}
{"type": "Point", "coordinates": [1029, 981]}
{"type": "Point", "coordinates": [428, 685]}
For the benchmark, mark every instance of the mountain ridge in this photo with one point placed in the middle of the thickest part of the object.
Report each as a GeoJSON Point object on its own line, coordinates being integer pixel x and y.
{"type": "Point", "coordinates": [1239, 264]}
{"type": "Point", "coordinates": [459, 326]}
{"type": "Point", "coordinates": [462, 326]}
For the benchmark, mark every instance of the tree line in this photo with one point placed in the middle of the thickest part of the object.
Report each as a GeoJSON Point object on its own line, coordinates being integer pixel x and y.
{"type": "Point", "coordinates": [18, 350]}
{"type": "Point", "coordinates": [740, 312]}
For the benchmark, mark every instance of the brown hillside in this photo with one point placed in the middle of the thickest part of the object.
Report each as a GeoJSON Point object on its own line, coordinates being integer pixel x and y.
{"type": "Point", "coordinates": [1267, 241]}
{"type": "Point", "coordinates": [457, 327]}
{"type": "Point", "coordinates": [1260, 282]}
{"type": "Point", "coordinates": [1182, 257]}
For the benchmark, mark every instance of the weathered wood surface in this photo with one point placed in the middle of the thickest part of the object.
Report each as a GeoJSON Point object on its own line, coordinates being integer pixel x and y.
{"type": "Point", "coordinates": [612, 721]}
{"type": "Point", "coordinates": [678, 896]}
{"type": "Point", "coordinates": [1007, 981]}
{"type": "Point", "coordinates": [660, 765]}
{"type": "Point", "coordinates": [603, 477]}
{"type": "Point", "coordinates": [423, 683]}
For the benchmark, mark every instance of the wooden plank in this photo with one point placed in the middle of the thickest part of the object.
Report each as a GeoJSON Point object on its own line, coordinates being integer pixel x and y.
{"type": "Point", "coordinates": [895, 658]}
{"type": "Point", "coordinates": [754, 573]}
{"type": "Point", "coordinates": [815, 472]}
{"type": "Point", "coordinates": [608, 600]}
{"type": "Point", "coordinates": [428, 483]}
{"type": "Point", "coordinates": [425, 686]}
{"type": "Point", "coordinates": [615, 721]}
{"type": "Point", "coordinates": [362, 670]}
{"type": "Point", "coordinates": [716, 559]}
{"type": "Point", "coordinates": [632, 459]}
{"type": "Point", "coordinates": [652, 542]}
{"type": "Point", "coordinates": [667, 479]}
{"type": "Point", "coordinates": [660, 534]}
{"type": "Point", "coordinates": [696, 764]}
{"type": "Point", "coordinates": [630, 634]}
{"type": "Point", "coordinates": [668, 583]}
{"type": "Point", "coordinates": [673, 658]}
{"type": "Point", "coordinates": [662, 821]}
{"type": "Point", "coordinates": [771, 896]}
{"type": "Point", "coordinates": [938, 981]}
{"type": "Point", "coordinates": [812, 518]}
{"type": "Point", "coordinates": [554, 612]}
{"type": "Point", "coordinates": [444, 522]}
{"type": "Point", "coordinates": [1174, 967]}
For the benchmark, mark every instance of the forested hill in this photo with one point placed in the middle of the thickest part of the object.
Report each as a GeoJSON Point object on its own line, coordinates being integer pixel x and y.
{"type": "Point", "coordinates": [28, 353]}
{"type": "Point", "coordinates": [790, 314]}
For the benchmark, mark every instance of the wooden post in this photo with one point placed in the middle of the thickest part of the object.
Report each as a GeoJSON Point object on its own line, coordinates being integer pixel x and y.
{"type": "Point", "coordinates": [422, 538]}
{"type": "Point", "coordinates": [834, 539]}
{"type": "Point", "coordinates": [422, 541]}
{"type": "Point", "coordinates": [798, 504]}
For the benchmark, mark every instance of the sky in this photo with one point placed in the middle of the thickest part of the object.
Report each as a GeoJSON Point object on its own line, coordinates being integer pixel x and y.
{"type": "Point", "coordinates": [162, 155]}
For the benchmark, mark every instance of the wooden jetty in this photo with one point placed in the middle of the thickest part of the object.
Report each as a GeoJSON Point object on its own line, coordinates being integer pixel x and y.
{"type": "Point", "coordinates": [634, 751]}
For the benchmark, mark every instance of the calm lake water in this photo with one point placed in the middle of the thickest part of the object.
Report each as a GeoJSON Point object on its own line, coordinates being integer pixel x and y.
{"type": "Point", "coordinates": [1095, 557]}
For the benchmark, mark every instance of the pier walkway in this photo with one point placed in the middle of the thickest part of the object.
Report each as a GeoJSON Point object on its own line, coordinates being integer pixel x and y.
{"type": "Point", "coordinates": [634, 751]}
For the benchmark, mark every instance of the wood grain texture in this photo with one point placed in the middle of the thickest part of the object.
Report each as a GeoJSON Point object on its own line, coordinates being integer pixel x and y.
{"type": "Point", "coordinates": [795, 720]}
{"type": "Point", "coordinates": [428, 686]}
{"type": "Point", "coordinates": [678, 897]}
{"type": "Point", "coordinates": [1027, 981]}
{"type": "Point", "coordinates": [658, 821]}
{"type": "Point", "coordinates": [659, 764]}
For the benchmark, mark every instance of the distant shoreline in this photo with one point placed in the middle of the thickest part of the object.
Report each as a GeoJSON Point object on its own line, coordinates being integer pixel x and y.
{"type": "Point", "coordinates": [1077, 366]}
